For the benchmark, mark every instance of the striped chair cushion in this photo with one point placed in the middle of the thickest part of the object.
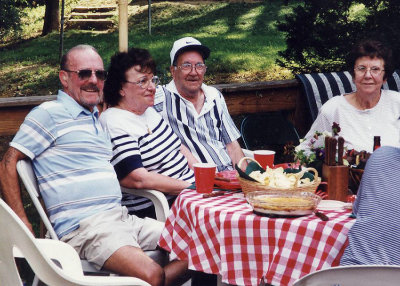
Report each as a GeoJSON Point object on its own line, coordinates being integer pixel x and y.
{"type": "Point", "coordinates": [319, 87]}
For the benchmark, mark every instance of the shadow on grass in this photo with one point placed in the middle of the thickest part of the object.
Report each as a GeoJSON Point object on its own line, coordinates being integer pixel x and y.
{"type": "Point", "coordinates": [242, 37]}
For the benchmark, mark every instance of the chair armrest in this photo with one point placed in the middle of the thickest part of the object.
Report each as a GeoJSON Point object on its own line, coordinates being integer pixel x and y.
{"type": "Point", "coordinates": [62, 254]}
{"type": "Point", "coordinates": [159, 200]}
{"type": "Point", "coordinates": [248, 153]}
{"type": "Point", "coordinates": [25, 171]}
{"type": "Point", "coordinates": [65, 256]}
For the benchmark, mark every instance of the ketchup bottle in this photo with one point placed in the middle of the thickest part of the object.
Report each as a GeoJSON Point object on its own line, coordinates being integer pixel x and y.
{"type": "Point", "coordinates": [377, 142]}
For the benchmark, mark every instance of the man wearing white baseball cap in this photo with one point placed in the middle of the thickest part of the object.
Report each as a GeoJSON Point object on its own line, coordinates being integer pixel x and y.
{"type": "Point", "coordinates": [196, 112]}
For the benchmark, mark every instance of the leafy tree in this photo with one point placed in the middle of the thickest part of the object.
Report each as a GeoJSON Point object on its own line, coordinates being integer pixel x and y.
{"type": "Point", "coordinates": [11, 12]}
{"type": "Point", "coordinates": [320, 34]}
{"type": "Point", "coordinates": [29, 3]}
{"type": "Point", "coordinates": [10, 17]}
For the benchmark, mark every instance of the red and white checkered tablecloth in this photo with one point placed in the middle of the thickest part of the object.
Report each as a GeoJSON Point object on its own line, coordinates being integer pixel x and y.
{"type": "Point", "coordinates": [221, 235]}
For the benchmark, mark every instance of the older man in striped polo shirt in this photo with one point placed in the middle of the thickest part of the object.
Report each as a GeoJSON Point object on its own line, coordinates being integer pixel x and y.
{"type": "Point", "coordinates": [71, 156]}
{"type": "Point", "coordinates": [196, 112]}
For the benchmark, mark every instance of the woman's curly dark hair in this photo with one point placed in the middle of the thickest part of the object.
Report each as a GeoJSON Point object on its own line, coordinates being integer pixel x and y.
{"type": "Point", "coordinates": [372, 49]}
{"type": "Point", "coordinates": [120, 63]}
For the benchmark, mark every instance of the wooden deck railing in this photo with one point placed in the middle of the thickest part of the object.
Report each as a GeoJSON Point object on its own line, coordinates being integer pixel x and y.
{"type": "Point", "coordinates": [241, 98]}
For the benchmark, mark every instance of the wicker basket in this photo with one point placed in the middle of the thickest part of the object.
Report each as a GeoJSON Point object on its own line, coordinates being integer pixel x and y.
{"type": "Point", "coordinates": [251, 186]}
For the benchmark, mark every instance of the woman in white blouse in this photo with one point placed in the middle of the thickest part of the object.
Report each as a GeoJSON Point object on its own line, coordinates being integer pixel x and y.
{"type": "Point", "coordinates": [367, 112]}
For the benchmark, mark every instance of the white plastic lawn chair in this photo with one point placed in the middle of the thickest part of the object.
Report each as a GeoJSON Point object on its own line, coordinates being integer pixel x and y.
{"type": "Point", "coordinates": [40, 254]}
{"type": "Point", "coordinates": [365, 275]}
{"type": "Point", "coordinates": [158, 199]}
{"type": "Point", "coordinates": [27, 175]}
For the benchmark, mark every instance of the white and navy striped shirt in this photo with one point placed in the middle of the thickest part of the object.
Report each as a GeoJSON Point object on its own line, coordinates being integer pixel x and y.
{"type": "Point", "coordinates": [374, 237]}
{"type": "Point", "coordinates": [206, 133]}
{"type": "Point", "coordinates": [71, 156]}
{"type": "Point", "coordinates": [144, 141]}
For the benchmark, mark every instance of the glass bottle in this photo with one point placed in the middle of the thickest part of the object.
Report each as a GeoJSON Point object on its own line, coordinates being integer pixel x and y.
{"type": "Point", "coordinates": [377, 142]}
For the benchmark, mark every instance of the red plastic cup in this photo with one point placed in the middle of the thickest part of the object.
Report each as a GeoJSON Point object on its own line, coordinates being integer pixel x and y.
{"type": "Point", "coordinates": [204, 174]}
{"type": "Point", "coordinates": [265, 158]}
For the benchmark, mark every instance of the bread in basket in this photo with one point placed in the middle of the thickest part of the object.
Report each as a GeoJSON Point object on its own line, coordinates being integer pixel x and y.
{"type": "Point", "coordinates": [249, 186]}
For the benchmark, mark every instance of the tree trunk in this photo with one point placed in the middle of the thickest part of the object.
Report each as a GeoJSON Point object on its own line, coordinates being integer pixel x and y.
{"type": "Point", "coordinates": [51, 17]}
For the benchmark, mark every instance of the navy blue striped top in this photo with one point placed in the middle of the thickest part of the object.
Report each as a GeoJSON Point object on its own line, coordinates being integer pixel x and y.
{"type": "Point", "coordinates": [144, 141]}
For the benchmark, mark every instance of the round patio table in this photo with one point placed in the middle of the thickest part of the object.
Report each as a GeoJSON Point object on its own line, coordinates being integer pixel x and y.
{"type": "Point", "coordinates": [221, 235]}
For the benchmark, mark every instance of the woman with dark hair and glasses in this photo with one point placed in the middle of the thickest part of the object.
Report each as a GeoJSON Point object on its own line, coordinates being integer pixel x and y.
{"type": "Point", "coordinates": [146, 152]}
{"type": "Point", "coordinates": [369, 111]}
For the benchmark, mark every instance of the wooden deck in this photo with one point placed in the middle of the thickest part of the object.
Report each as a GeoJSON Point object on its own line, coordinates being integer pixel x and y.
{"type": "Point", "coordinates": [241, 98]}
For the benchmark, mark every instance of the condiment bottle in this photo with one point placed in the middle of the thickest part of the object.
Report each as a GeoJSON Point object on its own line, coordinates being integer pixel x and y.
{"type": "Point", "coordinates": [377, 142]}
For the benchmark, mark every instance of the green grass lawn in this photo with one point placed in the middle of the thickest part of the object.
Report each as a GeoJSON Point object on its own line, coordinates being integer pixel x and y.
{"type": "Point", "coordinates": [242, 37]}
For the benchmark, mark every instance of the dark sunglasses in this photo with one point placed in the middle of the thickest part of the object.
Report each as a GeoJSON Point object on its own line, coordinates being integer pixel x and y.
{"type": "Point", "coordinates": [86, 74]}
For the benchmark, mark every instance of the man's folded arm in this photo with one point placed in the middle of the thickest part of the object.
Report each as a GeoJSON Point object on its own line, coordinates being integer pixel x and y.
{"type": "Point", "coordinates": [10, 185]}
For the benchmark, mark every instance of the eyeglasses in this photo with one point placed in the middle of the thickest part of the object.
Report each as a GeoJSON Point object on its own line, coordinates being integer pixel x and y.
{"type": "Point", "coordinates": [86, 74]}
{"type": "Point", "coordinates": [145, 82]}
{"type": "Point", "coordinates": [200, 67]}
{"type": "Point", "coordinates": [362, 70]}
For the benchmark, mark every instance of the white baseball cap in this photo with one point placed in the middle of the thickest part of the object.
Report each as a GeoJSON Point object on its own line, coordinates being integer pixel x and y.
{"type": "Point", "coordinates": [188, 44]}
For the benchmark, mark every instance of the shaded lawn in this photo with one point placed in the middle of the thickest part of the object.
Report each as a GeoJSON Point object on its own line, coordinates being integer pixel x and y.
{"type": "Point", "coordinates": [242, 37]}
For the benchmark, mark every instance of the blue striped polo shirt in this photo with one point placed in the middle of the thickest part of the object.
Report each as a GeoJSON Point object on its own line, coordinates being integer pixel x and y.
{"type": "Point", "coordinates": [71, 159]}
{"type": "Point", "coordinates": [206, 133]}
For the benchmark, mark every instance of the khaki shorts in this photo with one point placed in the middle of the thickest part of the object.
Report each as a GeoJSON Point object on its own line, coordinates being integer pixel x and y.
{"type": "Point", "coordinates": [100, 235]}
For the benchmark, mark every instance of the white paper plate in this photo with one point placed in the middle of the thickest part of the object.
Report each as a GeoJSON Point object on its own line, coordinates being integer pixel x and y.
{"type": "Point", "coordinates": [331, 205]}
